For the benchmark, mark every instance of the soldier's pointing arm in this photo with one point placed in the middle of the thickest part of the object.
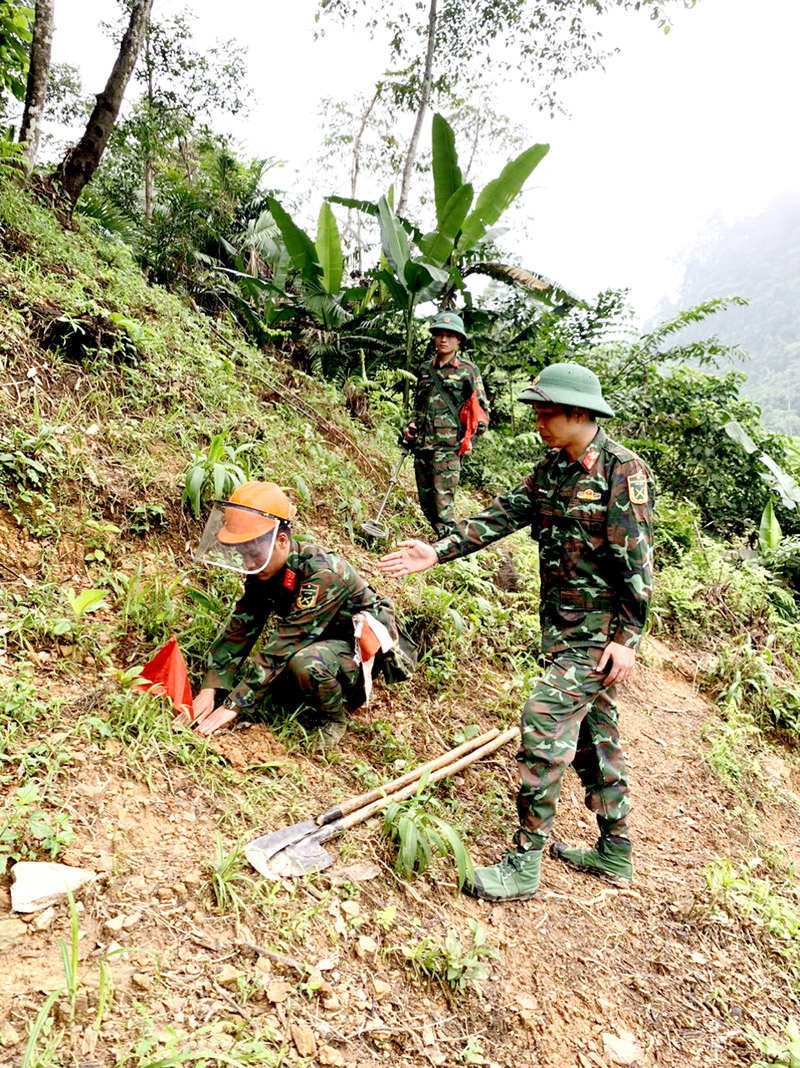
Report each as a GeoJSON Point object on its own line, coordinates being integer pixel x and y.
{"type": "Point", "coordinates": [509, 512]}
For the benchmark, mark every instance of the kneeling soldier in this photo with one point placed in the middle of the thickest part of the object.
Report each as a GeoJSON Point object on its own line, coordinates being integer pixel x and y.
{"type": "Point", "coordinates": [313, 596]}
{"type": "Point", "coordinates": [588, 502]}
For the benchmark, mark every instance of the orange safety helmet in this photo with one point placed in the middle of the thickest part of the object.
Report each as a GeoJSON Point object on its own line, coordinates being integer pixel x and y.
{"type": "Point", "coordinates": [253, 510]}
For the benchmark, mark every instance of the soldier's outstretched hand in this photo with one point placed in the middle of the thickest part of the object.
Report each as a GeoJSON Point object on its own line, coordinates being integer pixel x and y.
{"type": "Point", "coordinates": [411, 556]}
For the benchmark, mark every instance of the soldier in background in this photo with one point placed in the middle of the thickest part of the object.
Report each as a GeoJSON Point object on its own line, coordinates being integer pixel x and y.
{"type": "Point", "coordinates": [312, 597]}
{"type": "Point", "coordinates": [589, 504]}
{"type": "Point", "coordinates": [450, 407]}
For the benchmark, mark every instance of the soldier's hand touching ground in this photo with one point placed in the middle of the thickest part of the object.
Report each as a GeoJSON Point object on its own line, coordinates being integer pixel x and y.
{"type": "Point", "coordinates": [214, 719]}
{"type": "Point", "coordinates": [204, 702]}
{"type": "Point", "coordinates": [411, 556]}
{"type": "Point", "coordinates": [619, 659]}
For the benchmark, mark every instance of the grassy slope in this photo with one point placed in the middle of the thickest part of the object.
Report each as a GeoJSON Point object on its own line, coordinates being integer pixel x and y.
{"type": "Point", "coordinates": [110, 388]}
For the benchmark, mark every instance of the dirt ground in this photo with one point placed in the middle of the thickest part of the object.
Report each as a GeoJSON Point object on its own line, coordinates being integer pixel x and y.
{"type": "Point", "coordinates": [587, 975]}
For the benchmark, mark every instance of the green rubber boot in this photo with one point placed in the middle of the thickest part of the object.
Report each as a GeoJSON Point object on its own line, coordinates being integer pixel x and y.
{"type": "Point", "coordinates": [330, 733]}
{"type": "Point", "coordinates": [610, 859]}
{"type": "Point", "coordinates": [515, 878]}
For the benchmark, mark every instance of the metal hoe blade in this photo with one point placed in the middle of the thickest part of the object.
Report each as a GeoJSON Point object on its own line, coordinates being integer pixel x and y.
{"type": "Point", "coordinates": [269, 844]}
{"type": "Point", "coordinates": [299, 855]}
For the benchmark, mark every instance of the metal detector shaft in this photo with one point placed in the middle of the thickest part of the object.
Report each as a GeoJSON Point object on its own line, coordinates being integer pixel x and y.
{"type": "Point", "coordinates": [391, 485]}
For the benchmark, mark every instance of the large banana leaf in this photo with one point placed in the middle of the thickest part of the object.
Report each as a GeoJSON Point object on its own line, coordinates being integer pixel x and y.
{"type": "Point", "coordinates": [393, 238]}
{"type": "Point", "coordinates": [369, 207]}
{"type": "Point", "coordinates": [424, 280]}
{"type": "Point", "coordinates": [498, 195]}
{"type": "Point", "coordinates": [446, 172]}
{"type": "Point", "coordinates": [393, 287]}
{"type": "Point", "coordinates": [329, 250]}
{"type": "Point", "coordinates": [769, 529]}
{"type": "Point", "coordinates": [543, 288]}
{"type": "Point", "coordinates": [298, 244]}
{"type": "Point", "coordinates": [439, 243]}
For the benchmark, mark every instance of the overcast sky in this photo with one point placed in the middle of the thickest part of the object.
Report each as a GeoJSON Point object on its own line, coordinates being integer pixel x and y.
{"type": "Point", "coordinates": [678, 129]}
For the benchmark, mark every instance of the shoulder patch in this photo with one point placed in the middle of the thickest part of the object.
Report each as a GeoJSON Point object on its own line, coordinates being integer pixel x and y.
{"type": "Point", "coordinates": [308, 595]}
{"type": "Point", "coordinates": [637, 488]}
{"type": "Point", "coordinates": [590, 459]}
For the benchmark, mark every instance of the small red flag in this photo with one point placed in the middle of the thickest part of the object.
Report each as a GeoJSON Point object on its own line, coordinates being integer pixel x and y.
{"type": "Point", "coordinates": [167, 677]}
{"type": "Point", "coordinates": [471, 415]}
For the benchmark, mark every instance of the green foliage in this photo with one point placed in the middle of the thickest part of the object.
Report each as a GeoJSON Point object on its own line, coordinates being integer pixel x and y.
{"type": "Point", "coordinates": [16, 21]}
{"type": "Point", "coordinates": [418, 833]}
{"type": "Point", "coordinates": [27, 830]}
{"type": "Point", "coordinates": [216, 472]}
{"type": "Point", "coordinates": [451, 961]}
{"type": "Point", "coordinates": [231, 888]}
{"type": "Point", "coordinates": [783, 1052]}
{"type": "Point", "coordinates": [768, 913]}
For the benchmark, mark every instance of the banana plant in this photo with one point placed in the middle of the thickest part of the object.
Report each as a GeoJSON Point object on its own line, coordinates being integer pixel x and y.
{"type": "Point", "coordinates": [410, 281]}
{"type": "Point", "coordinates": [464, 221]}
{"type": "Point", "coordinates": [319, 264]}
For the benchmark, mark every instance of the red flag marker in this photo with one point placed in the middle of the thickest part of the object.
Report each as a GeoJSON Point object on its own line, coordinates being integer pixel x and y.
{"type": "Point", "coordinates": [167, 677]}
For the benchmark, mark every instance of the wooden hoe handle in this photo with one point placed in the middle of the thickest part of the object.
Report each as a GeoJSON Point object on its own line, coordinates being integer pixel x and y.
{"type": "Point", "coordinates": [450, 769]}
{"type": "Point", "coordinates": [378, 792]}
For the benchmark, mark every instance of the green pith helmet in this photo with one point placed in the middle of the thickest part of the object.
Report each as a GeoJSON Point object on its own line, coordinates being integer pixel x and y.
{"type": "Point", "coordinates": [449, 321]}
{"type": "Point", "coordinates": [567, 383]}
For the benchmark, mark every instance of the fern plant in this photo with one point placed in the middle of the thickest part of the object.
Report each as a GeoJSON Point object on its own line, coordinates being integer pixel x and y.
{"type": "Point", "coordinates": [418, 833]}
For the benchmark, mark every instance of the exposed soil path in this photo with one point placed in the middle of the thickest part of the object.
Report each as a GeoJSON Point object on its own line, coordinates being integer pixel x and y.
{"type": "Point", "coordinates": [587, 976]}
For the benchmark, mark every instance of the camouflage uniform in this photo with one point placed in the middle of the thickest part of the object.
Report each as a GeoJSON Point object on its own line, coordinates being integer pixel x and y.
{"type": "Point", "coordinates": [437, 465]}
{"type": "Point", "coordinates": [593, 520]}
{"type": "Point", "coordinates": [311, 648]}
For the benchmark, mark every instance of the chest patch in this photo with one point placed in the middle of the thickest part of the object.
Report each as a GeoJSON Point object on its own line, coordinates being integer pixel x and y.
{"type": "Point", "coordinates": [308, 595]}
{"type": "Point", "coordinates": [588, 495]}
{"type": "Point", "coordinates": [637, 488]}
{"type": "Point", "coordinates": [289, 579]}
{"type": "Point", "coordinates": [590, 459]}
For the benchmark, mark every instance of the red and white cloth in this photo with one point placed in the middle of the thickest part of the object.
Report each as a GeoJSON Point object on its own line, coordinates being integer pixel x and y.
{"type": "Point", "coordinates": [372, 637]}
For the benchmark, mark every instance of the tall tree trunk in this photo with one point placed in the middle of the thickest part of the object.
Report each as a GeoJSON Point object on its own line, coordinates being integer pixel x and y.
{"type": "Point", "coordinates": [148, 148]}
{"type": "Point", "coordinates": [83, 159]}
{"type": "Point", "coordinates": [355, 169]}
{"type": "Point", "coordinates": [36, 89]}
{"type": "Point", "coordinates": [425, 95]}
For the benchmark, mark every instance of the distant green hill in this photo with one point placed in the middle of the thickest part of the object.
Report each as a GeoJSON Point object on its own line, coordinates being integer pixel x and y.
{"type": "Point", "coordinates": [757, 258]}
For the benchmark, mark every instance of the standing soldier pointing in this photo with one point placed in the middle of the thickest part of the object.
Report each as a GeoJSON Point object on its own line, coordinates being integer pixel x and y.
{"type": "Point", "coordinates": [450, 407]}
{"type": "Point", "coordinates": [589, 504]}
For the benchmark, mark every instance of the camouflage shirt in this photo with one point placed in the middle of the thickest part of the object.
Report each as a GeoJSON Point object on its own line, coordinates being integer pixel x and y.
{"type": "Point", "coordinates": [592, 518]}
{"type": "Point", "coordinates": [312, 598]}
{"type": "Point", "coordinates": [437, 422]}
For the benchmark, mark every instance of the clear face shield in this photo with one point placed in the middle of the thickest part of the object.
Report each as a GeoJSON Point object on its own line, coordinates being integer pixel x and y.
{"type": "Point", "coordinates": [238, 538]}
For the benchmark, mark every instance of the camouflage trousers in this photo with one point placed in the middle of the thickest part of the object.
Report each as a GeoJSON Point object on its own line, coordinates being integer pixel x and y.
{"type": "Point", "coordinates": [324, 676]}
{"type": "Point", "coordinates": [571, 718]}
{"type": "Point", "coordinates": [437, 472]}
{"type": "Point", "coordinates": [327, 677]}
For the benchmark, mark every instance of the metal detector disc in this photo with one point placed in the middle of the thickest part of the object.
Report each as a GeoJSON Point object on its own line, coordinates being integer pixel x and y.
{"type": "Point", "coordinates": [374, 529]}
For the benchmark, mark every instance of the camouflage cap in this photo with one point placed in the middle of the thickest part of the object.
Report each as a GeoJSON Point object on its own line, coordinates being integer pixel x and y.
{"type": "Point", "coordinates": [567, 383]}
{"type": "Point", "coordinates": [449, 321]}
